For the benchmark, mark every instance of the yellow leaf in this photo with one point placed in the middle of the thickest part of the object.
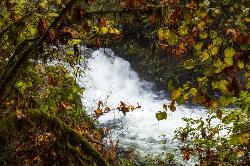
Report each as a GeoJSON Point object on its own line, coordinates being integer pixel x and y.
{"type": "Point", "coordinates": [114, 31]}
{"type": "Point", "coordinates": [228, 61]}
{"type": "Point", "coordinates": [172, 39]}
{"type": "Point", "coordinates": [186, 86]}
{"type": "Point", "coordinates": [202, 79]}
{"type": "Point", "coordinates": [183, 30]}
{"type": "Point", "coordinates": [203, 35]}
{"type": "Point", "coordinates": [218, 66]}
{"type": "Point", "coordinates": [176, 94]}
{"type": "Point", "coordinates": [229, 52]}
{"type": "Point", "coordinates": [241, 64]}
{"type": "Point", "coordinates": [160, 34]}
{"type": "Point", "coordinates": [193, 91]}
{"type": "Point", "coordinates": [214, 50]}
{"type": "Point", "coordinates": [104, 30]}
{"type": "Point", "coordinates": [198, 46]}
{"type": "Point", "coordinates": [189, 64]}
{"type": "Point", "coordinates": [186, 96]}
{"type": "Point", "coordinates": [74, 41]}
{"type": "Point", "coordinates": [204, 56]}
{"type": "Point", "coordinates": [201, 25]}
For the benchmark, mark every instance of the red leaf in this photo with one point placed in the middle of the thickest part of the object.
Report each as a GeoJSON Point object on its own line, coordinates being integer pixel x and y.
{"type": "Point", "coordinates": [102, 21]}
{"type": "Point", "coordinates": [42, 25]}
{"type": "Point", "coordinates": [98, 42]}
{"type": "Point", "coordinates": [70, 32]}
{"type": "Point", "coordinates": [51, 35]}
{"type": "Point", "coordinates": [52, 81]}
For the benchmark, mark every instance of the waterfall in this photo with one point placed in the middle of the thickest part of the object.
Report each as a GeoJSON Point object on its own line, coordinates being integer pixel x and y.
{"type": "Point", "coordinates": [112, 79]}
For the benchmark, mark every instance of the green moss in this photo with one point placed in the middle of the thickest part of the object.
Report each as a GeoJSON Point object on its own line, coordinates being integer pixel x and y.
{"type": "Point", "coordinates": [64, 134]}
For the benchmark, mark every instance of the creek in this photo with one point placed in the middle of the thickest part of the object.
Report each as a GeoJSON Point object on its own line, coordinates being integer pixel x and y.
{"type": "Point", "coordinates": [111, 80]}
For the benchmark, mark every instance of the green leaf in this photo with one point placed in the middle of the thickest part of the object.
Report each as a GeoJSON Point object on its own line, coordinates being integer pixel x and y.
{"type": "Point", "coordinates": [221, 85]}
{"type": "Point", "coordinates": [161, 115]}
{"type": "Point", "coordinates": [189, 64]}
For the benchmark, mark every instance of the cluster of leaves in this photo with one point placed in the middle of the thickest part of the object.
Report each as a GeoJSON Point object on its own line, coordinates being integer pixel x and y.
{"type": "Point", "coordinates": [124, 108]}
{"type": "Point", "coordinates": [218, 139]}
{"type": "Point", "coordinates": [52, 90]}
{"type": "Point", "coordinates": [213, 39]}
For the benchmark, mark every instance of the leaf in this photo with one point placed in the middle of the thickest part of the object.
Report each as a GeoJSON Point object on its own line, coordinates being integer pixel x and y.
{"type": "Point", "coordinates": [70, 32]}
{"type": "Point", "coordinates": [98, 42]}
{"type": "Point", "coordinates": [64, 105]}
{"type": "Point", "coordinates": [74, 41]}
{"type": "Point", "coordinates": [218, 66]}
{"type": "Point", "coordinates": [193, 91]}
{"type": "Point", "coordinates": [165, 107]}
{"type": "Point", "coordinates": [160, 33]}
{"type": "Point", "coordinates": [98, 112]}
{"type": "Point", "coordinates": [214, 50]}
{"type": "Point", "coordinates": [219, 114]}
{"type": "Point", "coordinates": [52, 81]}
{"type": "Point", "coordinates": [161, 115]}
{"type": "Point", "coordinates": [201, 25]}
{"type": "Point", "coordinates": [229, 52]}
{"type": "Point", "coordinates": [191, 5]}
{"type": "Point", "coordinates": [221, 85]}
{"type": "Point", "coordinates": [114, 31]}
{"type": "Point", "coordinates": [203, 35]}
{"type": "Point", "coordinates": [198, 46]}
{"type": "Point", "coordinates": [42, 25]}
{"type": "Point", "coordinates": [204, 56]}
{"type": "Point", "coordinates": [228, 61]}
{"type": "Point", "coordinates": [183, 30]}
{"type": "Point", "coordinates": [189, 64]}
{"type": "Point", "coordinates": [217, 41]}
{"type": "Point", "coordinates": [102, 21]}
{"type": "Point", "coordinates": [173, 39]}
{"type": "Point", "coordinates": [20, 113]}
{"type": "Point", "coordinates": [176, 94]}
{"type": "Point", "coordinates": [104, 30]}
{"type": "Point", "coordinates": [172, 106]}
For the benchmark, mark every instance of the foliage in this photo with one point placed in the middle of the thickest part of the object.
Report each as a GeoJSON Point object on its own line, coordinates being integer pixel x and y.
{"type": "Point", "coordinates": [218, 139]}
{"type": "Point", "coordinates": [210, 37]}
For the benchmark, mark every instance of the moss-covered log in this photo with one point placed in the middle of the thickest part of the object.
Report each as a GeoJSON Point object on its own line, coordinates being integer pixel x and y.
{"type": "Point", "coordinates": [76, 145]}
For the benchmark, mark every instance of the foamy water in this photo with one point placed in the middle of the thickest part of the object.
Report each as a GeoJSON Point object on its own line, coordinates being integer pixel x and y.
{"type": "Point", "coordinates": [112, 79]}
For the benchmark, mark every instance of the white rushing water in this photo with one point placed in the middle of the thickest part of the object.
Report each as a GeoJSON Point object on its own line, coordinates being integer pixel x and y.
{"type": "Point", "coordinates": [112, 79]}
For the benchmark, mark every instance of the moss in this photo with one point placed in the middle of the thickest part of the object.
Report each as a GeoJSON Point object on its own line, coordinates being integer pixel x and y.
{"type": "Point", "coordinates": [75, 144]}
